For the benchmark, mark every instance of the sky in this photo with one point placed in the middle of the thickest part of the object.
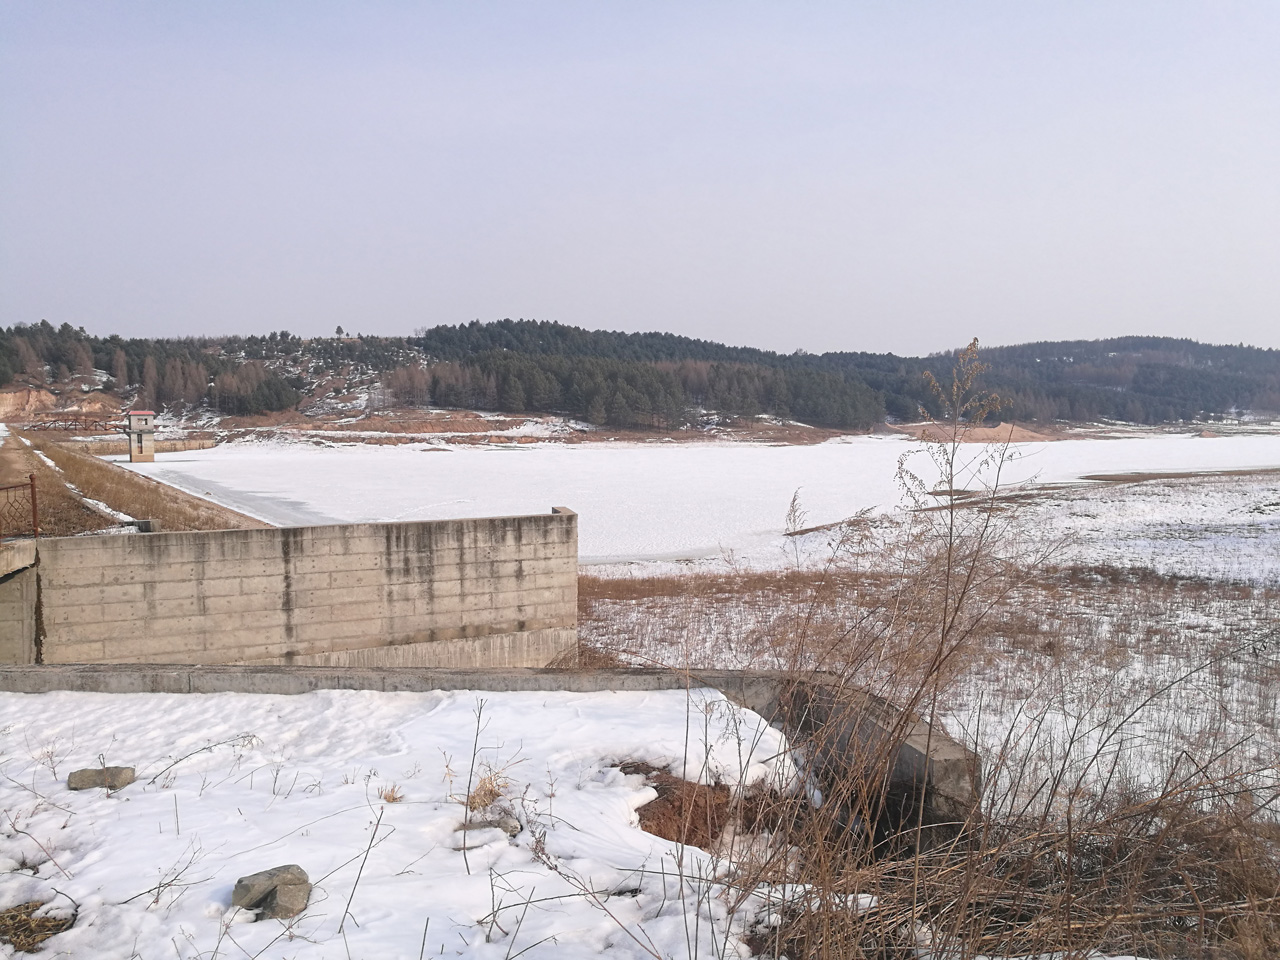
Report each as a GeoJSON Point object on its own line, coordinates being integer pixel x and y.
{"type": "Point", "coordinates": [802, 175]}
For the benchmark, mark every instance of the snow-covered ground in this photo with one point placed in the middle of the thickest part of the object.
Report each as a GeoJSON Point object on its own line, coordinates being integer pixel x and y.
{"type": "Point", "coordinates": [692, 501]}
{"type": "Point", "coordinates": [231, 784]}
{"type": "Point", "coordinates": [1211, 526]}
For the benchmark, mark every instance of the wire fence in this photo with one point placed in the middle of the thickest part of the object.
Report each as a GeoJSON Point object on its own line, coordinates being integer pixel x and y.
{"type": "Point", "coordinates": [19, 510]}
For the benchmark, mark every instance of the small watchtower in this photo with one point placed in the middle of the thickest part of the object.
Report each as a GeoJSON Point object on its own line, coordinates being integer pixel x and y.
{"type": "Point", "coordinates": [142, 436]}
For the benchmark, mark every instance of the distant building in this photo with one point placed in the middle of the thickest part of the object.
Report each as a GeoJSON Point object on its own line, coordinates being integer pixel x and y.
{"type": "Point", "coordinates": [142, 436]}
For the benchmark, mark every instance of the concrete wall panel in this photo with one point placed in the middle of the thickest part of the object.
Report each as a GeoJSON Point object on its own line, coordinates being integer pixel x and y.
{"type": "Point", "coordinates": [426, 594]}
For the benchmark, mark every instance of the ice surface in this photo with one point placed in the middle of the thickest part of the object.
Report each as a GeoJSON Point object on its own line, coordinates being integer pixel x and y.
{"type": "Point", "coordinates": [647, 501]}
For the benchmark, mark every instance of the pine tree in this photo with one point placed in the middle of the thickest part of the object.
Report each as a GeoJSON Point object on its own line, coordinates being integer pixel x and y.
{"type": "Point", "coordinates": [120, 369]}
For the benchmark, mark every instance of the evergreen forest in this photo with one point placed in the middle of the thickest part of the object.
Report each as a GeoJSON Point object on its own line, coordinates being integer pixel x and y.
{"type": "Point", "coordinates": [649, 380]}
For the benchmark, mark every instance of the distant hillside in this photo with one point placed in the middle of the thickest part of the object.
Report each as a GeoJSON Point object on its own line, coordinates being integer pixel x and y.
{"type": "Point", "coordinates": [636, 380]}
{"type": "Point", "coordinates": [1135, 379]}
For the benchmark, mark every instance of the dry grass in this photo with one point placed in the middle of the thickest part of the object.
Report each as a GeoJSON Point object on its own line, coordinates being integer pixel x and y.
{"type": "Point", "coordinates": [390, 793]}
{"type": "Point", "coordinates": [1178, 869]}
{"type": "Point", "coordinates": [21, 928]}
{"type": "Point", "coordinates": [1127, 725]}
{"type": "Point", "coordinates": [62, 513]}
{"type": "Point", "coordinates": [132, 494]}
{"type": "Point", "coordinates": [1122, 818]}
{"type": "Point", "coordinates": [488, 790]}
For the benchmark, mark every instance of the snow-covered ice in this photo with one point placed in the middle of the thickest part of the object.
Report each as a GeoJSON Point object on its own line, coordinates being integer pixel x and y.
{"type": "Point", "coordinates": [296, 779]}
{"type": "Point", "coordinates": [654, 501]}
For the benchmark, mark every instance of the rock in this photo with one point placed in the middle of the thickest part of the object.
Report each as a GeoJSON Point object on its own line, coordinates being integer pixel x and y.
{"type": "Point", "coordinates": [507, 824]}
{"type": "Point", "coordinates": [113, 778]}
{"type": "Point", "coordinates": [510, 825]}
{"type": "Point", "coordinates": [286, 900]}
{"type": "Point", "coordinates": [278, 893]}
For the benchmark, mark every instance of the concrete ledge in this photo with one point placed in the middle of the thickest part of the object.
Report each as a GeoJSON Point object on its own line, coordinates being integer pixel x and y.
{"type": "Point", "coordinates": [528, 648]}
{"type": "Point", "coordinates": [16, 555]}
{"type": "Point", "coordinates": [854, 728]}
{"type": "Point", "coordinates": [759, 686]}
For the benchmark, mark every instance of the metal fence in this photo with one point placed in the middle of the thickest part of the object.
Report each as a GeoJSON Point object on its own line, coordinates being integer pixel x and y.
{"type": "Point", "coordinates": [19, 510]}
{"type": "Point", "coordinates": [82, 424]}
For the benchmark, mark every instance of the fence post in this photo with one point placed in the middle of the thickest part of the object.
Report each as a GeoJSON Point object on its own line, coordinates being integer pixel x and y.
{"type": "Point", "coordinates": [35, 512]}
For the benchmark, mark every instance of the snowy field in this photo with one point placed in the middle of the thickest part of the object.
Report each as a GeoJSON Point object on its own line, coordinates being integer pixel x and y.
{"type": "Point", "coordinates": [231, 784]}
{"type": "Point", "coordinates": [697, 501]}
{"type": "Point", "coordinates": [1223, 527]}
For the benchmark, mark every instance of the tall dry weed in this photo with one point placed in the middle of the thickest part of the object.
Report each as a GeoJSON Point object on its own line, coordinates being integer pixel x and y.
{"type": "Point", "coordinates": [1100, 824]}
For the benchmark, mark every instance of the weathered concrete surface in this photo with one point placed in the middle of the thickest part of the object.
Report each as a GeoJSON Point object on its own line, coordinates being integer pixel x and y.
{"type": "Point", "coordinates": [495, 591]}
{"type": "Point", "coordinates": [19, 591]}
{"type": "Point", "coordinates": [849, 730]}
{"type": "Point", "coordinates": [528, 648]}
{"type": "Point", "coordinates": [16, 555]}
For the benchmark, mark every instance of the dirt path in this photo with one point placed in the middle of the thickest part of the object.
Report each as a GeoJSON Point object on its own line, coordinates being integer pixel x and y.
{"type": "Point", "coordinates": [13, 462]}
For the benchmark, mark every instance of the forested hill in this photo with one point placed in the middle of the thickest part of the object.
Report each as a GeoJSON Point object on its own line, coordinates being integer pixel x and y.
{"type": "Point", "coordinates": [542, 337]}
{"type": "Point", "coordinates": [1135, 379]}
{"type": "Point", "coordinates": [642, 379]}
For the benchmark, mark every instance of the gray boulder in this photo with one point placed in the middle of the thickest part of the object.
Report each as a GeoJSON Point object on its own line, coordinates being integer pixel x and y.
{"type": "Point", "coordinates": [286, 900]}
{"type": "Point", "coordinates": [276, 894]}
{"type": "Point", "coordinates": [113, 778]}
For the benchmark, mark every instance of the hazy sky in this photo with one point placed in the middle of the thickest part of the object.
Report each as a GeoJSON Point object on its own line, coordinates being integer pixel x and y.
{"type": "Point", "coordinates": [868, 176]}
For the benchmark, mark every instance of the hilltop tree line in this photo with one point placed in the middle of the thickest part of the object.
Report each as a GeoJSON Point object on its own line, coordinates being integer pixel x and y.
{"type": "Point", "coordinates": [1135, 379]}
{"type": "Point", "coordinates": [626, 394]}
{"type": "Point", "coordinates": [160, 372]}
{"type": "Point", "coordinates": [643, 380]}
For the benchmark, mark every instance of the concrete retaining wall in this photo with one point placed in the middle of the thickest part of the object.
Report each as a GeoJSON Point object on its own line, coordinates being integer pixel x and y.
{"type": "Point", "coordinates": [106, 448]}
{"type": "Point", "coordinates": [16, 555]}
{"type": "Point", "coordinates": [491, 592]}
{"type": "Point", "coordinates": [18, 616]}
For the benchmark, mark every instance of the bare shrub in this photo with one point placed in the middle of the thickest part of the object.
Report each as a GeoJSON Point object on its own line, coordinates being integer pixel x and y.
{"type": "Point", "coordinates": [390, 793]}
{"type": "Point", "coordinates": [1121, 810]}
{"type": "Point", "coordinates": [488, 789]}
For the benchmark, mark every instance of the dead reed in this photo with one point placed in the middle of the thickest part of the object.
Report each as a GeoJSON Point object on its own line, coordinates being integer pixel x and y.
{"type": "Point", "coordinates": [1128, 742]}
{"type": "Point", "coordinates": [24, 930]}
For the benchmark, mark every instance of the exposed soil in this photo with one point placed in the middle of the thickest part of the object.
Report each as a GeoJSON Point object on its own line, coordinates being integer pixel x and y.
{"type": "Point", "coordinates": [697, 814]}
{"type": "Point", "coordinates": [13, 465]}
{"type": "Point", "coordinates": [684, 812]}
{"type": "Point", "coordinates": [25, 402]}
{"type": "Point", "coordinates": [1172, 475]}
{"type": "Point", "coordinates": [1000, 433]}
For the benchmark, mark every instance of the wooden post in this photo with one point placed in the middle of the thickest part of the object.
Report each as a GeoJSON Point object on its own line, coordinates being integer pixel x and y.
{"type": "Point", "coordinates": [35, 511]}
